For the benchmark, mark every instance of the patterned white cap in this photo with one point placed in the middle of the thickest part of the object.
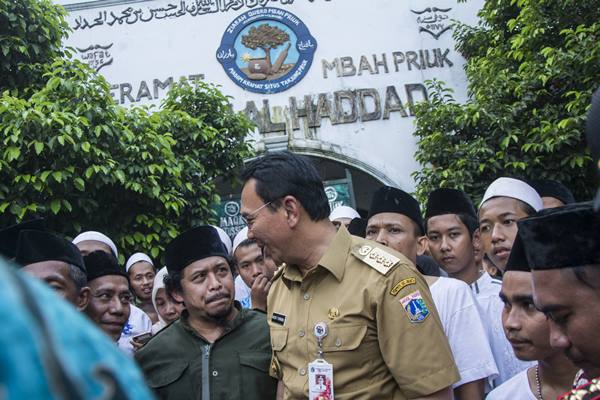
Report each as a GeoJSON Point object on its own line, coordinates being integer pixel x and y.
{"type": "Point", "coordinates": [514, 188]}
{"type": "Point", "coordinates": [343, 212]}
{"type": "Point", "coordinates": [135, 258]}
{"type": "Point", "coordinates": [97, 237]}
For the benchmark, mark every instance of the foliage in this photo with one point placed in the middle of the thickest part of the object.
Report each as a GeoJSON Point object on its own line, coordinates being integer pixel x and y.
{"type": "Point", "coordinates": [69, 153]}
{"type": "Point", "coordinates": [532, 67]}
{"type": "Point", "coordinates": [31, 32]}
{"type": "Point", "coordinates": [266, 37]}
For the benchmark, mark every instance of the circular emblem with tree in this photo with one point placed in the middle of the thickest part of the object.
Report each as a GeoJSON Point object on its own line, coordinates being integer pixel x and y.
{"type": "Point", "coordinates": [267, 50]}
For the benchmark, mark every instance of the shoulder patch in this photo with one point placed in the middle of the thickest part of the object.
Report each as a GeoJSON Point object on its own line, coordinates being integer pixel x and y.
{"type": "Point", "coordinates": [402, 284]}
{"type": "Point", "coordinates": [376, 258]}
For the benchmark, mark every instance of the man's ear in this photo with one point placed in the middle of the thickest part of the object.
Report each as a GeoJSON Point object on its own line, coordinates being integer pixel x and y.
{"type": "Point", "coordinates": [83, 298]}
{"type": "Point", "coordinates": [422, 245]}
{"type": "Point", "coordinates": [292, 208]}
{"type": "Point", "coordinates": [177, 296]}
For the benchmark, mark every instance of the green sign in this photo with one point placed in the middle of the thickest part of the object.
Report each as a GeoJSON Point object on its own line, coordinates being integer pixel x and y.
{"type": "Point", "coordinates": [229, 216]}
{"type": "Point", "coordinates": [339, 193]}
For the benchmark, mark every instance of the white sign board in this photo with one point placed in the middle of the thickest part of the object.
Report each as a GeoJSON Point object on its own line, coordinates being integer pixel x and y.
{"type": "Point", "coordinates": [329, 78]}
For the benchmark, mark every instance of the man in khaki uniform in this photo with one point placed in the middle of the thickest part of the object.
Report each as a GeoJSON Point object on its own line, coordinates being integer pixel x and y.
{"type": "Point", "coordinates": [384, 337]}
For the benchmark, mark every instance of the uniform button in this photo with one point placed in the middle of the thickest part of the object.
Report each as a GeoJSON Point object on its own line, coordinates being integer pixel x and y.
{"type": "Point", "coordinates": [306, 296]}
{"type": "Point", "coordinates": [338, 342]}
{"type": "Point", "coordinates": [302, 371]}
{"type": "Point", "coordinates": [301, 333]}
{"type": "Point", "coordinates": [215, 373]}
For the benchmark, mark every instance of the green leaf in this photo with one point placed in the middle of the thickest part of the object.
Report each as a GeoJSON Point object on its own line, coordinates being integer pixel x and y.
{"type": "Point", "coordinates": [55, 206]}
{"type": "Point", "coordinates": [57, 175]}
{"type": "Point", "coordinates": [79, 184]}
{"type": "Point", "coordinates": [39, 147]}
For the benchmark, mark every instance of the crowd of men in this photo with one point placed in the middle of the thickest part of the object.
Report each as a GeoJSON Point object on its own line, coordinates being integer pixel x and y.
{"type": "Point", "coordinates": [439, 300]}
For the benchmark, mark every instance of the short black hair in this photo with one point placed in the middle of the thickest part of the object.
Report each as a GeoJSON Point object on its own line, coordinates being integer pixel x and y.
{"type": "Point", "coordinates": [467, 220]}
{"type": "Point", "coordinates": [283, 174]}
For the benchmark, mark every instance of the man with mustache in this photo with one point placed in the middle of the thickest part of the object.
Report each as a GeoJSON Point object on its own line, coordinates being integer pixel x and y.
{"type": "Point", "coordinates": [528, 331]}
{"type": "Point", "coordinates": [216, 350]}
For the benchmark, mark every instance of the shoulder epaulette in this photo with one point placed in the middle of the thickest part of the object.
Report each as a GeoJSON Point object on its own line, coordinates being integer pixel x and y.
{"type": "Point", "coordinates": [375, 257]}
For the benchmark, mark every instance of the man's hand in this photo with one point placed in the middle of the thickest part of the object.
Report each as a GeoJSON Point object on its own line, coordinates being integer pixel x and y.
{"type": "Point", "coordinates": [260, 289]}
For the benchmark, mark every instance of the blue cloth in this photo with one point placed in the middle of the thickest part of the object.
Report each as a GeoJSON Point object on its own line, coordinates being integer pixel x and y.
{"type": "Point", "coordinates": [246, 303]}
{"type": "Point", "coordinates": [48, 350]}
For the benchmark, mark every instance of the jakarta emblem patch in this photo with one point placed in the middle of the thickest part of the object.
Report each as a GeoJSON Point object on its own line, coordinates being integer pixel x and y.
{"type": "Point", "coordinates": [415, 307]}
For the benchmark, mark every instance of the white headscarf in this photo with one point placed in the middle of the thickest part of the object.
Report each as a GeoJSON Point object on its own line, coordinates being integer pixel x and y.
{"type": "Point", "coordinates": [159, 283]}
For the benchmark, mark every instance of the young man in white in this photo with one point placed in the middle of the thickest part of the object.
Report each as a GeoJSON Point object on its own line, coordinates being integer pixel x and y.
{"type": "Point", "coordinates": [505, 201]}
{"type": "Point", "coordinates": [528, 331]}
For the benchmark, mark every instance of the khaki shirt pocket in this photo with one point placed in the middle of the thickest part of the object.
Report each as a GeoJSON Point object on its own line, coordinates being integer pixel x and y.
{"type": "Point", "coordinates": [344, 338]}
{"type": "Point", "coordinates": [279, 338]}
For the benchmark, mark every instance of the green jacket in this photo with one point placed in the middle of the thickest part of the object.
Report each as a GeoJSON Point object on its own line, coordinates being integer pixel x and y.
{"type": "Point", "coordinates": [179, 364]}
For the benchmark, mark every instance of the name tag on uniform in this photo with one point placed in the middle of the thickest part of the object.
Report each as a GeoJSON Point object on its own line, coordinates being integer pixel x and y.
{"type": "Point", "coordinates": [320, 380]}
{"type": "Point", "coordinates": [278, 319]}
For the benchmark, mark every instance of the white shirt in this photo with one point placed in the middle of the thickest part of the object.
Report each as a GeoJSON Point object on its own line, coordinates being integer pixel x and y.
{"type": "Point", "coordinates": [139, 322]}
{"type": "Point", "coordinates": [243, 293]}
{"type": "Point", "coordinates": [486, 290]}
{"type": "Point", "coordinates": [516, 388]}
{"type": "Point", "coordinates": [462, 324]}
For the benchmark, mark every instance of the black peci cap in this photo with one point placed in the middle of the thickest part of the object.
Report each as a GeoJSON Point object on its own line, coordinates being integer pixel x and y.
{"type": "Point", "coordinates": [10, 236]}
{"type": "Point", "coordinates": [196, 244]}
{"type": "Point", "coordinates": [392, 200]}
{"type": "Point", "coordinates": [552, 188]}
{"type": "Point", "coordinates": [99, 263]}
{"type": "Point", "coordinates": [37, 246]}
{"type": "Point", "coordinates": [449, 201]}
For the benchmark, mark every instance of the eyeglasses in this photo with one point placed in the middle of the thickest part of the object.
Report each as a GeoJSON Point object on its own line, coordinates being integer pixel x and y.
{"type": "Point", "coordinates": [250, 217]}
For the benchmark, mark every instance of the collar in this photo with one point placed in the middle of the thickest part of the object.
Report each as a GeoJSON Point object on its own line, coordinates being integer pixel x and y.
{"type": "Point", "coordinates": [229, 326]}
{"type": "Point", "coordinates": [334, 259]}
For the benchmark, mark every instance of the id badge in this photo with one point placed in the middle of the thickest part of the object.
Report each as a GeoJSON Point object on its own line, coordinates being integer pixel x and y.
{"type": "Point", "coordinates": [320, 380]}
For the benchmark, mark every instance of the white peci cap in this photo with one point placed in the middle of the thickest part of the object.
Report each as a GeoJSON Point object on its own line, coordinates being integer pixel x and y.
{"type": "Point", "coordinates": [239, 238]}
{"type": "Point", "coordinates": [224, 238]}
{"type": "Point", "coordinates": [513, 188]}
{"type": "Point", "coordinates": [343, 212]}
{"type": "Point", "coordinates": [97, 237]}
{"type": "Point", "coordinates": [135, 258]}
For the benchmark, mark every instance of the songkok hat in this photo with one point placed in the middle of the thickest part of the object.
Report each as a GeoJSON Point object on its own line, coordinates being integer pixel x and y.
{"type": "Point", "coordinates": [239, 238]}
{"type": "Point", "coordinates": [10, 236]}
{"type": "Point", "coordinates": [343, 212]}
{"type": "Point", "coordinates": [224, 238]}
{"type": "Point", "coordinates": [552, 188]}
{"type": "Point", "coordinates": [196, 244]}
{"type": "Point", "coordinates": [99, 263]}
{"type": "Point", "coordinates": [136, 258]}
{"type": "Point", "coordinates": [513, 188]}
{"type": "Point", "coordinates": [392, 200]}
{"type": "Point", "coordinates": [562, 237]}
{"type": "Point", "coordinates": [517, 260]}
{"type": "Point", "coordinates": [37, 246]}
{"type": "Point", "coordinates": [449, 201]}
{"type": "Point", "coordinates": [358, 227]}
{"type": "Point", "coordinates": [96, 237]}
